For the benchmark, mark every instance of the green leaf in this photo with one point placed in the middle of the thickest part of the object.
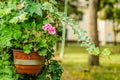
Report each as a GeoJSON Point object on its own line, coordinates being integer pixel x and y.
{"type": "Point", "coordinates": [22, 17]}
{"type": "Point", "coordinates": [96, 51]}
{"type": "Point", "coordinates": [43, 77]}
{"type": "Point", "coordinates": [53, 2]}
{"type": "Point", "coordinates": [27, 48]}
{"type": "Point", "coordinates": [43, 44]}
{"type": "Point", "coordinates": [106, 51]}
{"type": "Point", "coordinates": [82, 32]}
{"type": "Point", "coordinates": [49, 20]}
{"type": "Point", "coordinates": [2, 12]}
{"type": "Point", "coordinates": [75, 23]}
{"type": "Point", "coordinates": [38, 10]}
{"type": "Point", "coordinates": [7, 71]}
{"type": "Point", "coordinates": [1, 63]}
{"type": "Point", "coordinates": [17, 34]}
{"type": "Point", "coordinates": [6, 57]}
{"type": "Point", "coordinates": [5, 11]}
{"type": "Point", "coordinates": [17, 44]}
{"type": "Point", "coordinates": [34, 8]}
{"type": "Point", "coordinates": [19, 18]}
{"type": "Point", "coordinates": [43, 52]}
{"type": "Point", "coordinates": [6, 77]}
{"type": "Point", "coordinates": [48, 6]}
{"type": "Point", "coordinates": [92, 45]}
{"type": "Point", "coordinates": [75, 31]}
{"type": "Point", "coordinates": [33, 24]}
{"type": "Point", "coordinates": [87, 39]}
{"type": "Point", "coordinates": [5, 40]}
{"type": "Point", "coordinates": [6, 63]}
{"type": "Point", "coordinates": [14, 20]}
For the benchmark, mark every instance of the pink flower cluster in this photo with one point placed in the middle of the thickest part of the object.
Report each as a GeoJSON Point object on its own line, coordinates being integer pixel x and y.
{"type": "Point", "coordinates": [50, 28]}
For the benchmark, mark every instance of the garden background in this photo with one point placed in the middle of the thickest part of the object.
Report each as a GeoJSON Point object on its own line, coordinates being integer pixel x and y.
{"type": "Point", "coordinates": [75, 59]}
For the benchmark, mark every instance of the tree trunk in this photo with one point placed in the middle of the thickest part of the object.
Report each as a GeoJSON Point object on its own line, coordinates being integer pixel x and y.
{"type": "Point", "coordinates": [93, 5]}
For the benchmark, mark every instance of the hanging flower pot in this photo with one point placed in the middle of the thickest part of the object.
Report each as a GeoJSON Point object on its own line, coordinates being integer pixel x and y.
{"type": "Point", "coordinates": [28, 63]}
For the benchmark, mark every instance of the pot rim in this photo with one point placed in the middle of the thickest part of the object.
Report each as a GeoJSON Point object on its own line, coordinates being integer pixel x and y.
{"type": "Point", "coordinates": [21, 50]}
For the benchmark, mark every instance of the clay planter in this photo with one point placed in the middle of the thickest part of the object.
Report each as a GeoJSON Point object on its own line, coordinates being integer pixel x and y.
{"type": "Point", "coordinates": [27, 63]}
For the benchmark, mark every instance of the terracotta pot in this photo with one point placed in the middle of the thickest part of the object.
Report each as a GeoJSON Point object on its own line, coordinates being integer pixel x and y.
{"type": "Point", "coordinates": [28, 63]}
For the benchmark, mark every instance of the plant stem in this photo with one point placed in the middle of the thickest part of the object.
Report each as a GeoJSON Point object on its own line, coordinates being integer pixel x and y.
{"type": "Point", "coordinates": [63, 32]}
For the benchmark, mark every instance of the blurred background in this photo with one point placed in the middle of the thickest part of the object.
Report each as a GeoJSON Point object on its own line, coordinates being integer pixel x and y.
{"type": "Point", "coordinates": [101, 20]}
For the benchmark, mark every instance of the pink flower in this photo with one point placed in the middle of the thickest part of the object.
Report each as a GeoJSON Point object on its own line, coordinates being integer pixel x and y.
{"type": "Point", "coordinates": [52, 30]}
{"type": "Point", "coordinates": [46, 26]}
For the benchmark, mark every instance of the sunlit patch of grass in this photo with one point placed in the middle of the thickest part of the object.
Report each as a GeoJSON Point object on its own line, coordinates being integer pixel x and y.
{"type": "Point", "coordinates": [106, 72]}
{"type": "Point", "coordinates": [76, 68]}
{"type": "Point", "coordinates": [111, 59]}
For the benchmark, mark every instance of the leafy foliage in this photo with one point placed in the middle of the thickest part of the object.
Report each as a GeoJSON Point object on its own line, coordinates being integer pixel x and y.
{"type": "Point", "coordinates": [108, 10]}
{"type": "Point", "coordinates": [53, 71]}
{"type": "Point", "coordinates": [7, 71]}
{"type": "Point", "coordinates": [21, 27]}
{"type": "Point", "coordinates": [25, 27]}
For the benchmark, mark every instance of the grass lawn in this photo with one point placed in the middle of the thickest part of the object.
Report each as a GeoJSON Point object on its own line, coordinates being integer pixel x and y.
{"type": "Point", "coordinates": [76, 68]}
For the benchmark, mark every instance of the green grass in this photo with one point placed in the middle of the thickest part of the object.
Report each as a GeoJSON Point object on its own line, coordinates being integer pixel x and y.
{"type": "Point", "coordinates": [76, 48]}
{"type": "Point", "coordinates": [76, 68]}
